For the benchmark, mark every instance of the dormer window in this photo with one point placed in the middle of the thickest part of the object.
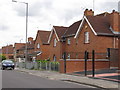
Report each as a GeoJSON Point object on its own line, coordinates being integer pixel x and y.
{"type": "Point", "coordinates": [55, 42]}
{"type": "Point", "coordinates": [87, 39]}
{"type": "Point", "coordinates": [68, 41]}
{"type": "Point", "coordinates": [38, 45]}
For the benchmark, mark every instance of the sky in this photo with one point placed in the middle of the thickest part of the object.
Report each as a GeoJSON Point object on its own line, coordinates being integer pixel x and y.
{"type": "Point", "coordinates": [43, 14]}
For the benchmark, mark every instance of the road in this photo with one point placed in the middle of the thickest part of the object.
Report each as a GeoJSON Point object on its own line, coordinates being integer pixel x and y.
{"type": "Point", "coordinates": [16, 79]}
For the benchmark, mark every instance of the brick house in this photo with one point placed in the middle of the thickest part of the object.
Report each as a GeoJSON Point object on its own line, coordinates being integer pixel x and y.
{"type": "Point", "coordinates": [97, 33]}
{"type": "Point", "coordinates": [41, 47]}
{"type": "Point", "coordinates": [17, 46]}
{"type": "Point", "coordinates": [21, 50]}
{"type": "Point", "coordinates": [8, 51]}
{"type": "Point", "coordinates": [94, 32]}
{"type": "Point", "coordinates": [56, 44]}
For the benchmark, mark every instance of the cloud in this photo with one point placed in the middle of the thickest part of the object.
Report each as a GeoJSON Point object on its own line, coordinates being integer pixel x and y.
{"type": "Point", "coordinates": [42, 13]}
{"type": "Point", "coordinates": [110, 5]}
{"type": "Point", "coordinates": [4, 27]}
{"type": "Point", "coordinates": [106, 6]}
{"type": "Point", "coordinates": [35, 9]}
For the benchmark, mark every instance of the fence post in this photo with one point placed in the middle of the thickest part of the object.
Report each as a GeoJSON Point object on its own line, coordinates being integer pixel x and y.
{"type": "Point", "coordinates": [50, 66]}
{"type": "Point", "coordinates": [64, 62]}
{"type": "Point", "coordinates": [108, 54]}
{"type": "Point", "coordinates": [93, 63]}
{"type": "Point", "coordinates": [86, 57]}
{"type": "Point", "coordinates": [54, 66]}
{"type": "Point", "coordinates": [46, 65]}
{"type": "Point", "coordinates": [40, 65]}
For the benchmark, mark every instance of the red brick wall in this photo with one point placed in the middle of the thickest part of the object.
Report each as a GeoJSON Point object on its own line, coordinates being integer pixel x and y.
{"type": "Point", "coordinates": [8, 51]}
{"type": "Point", "coordinates": [18, 45]}
{"type": "Point", "coordinates": [43, 48]}
{"type": "Point", "coordinates": [57, 50]}
{"type": "Point", "coordinates": [77, 65]}
{"type": "Point", "coordinates": [98, 43]}
{"type": "Point", "coordinates": [115, 20]}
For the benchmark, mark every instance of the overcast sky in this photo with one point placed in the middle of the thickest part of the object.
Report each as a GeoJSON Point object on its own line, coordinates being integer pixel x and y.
{"type": "Point", "coordinates": [43, 14]}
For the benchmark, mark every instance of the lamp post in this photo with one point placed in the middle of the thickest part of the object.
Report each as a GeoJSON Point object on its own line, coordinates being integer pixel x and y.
{"type": "Point", "coordinates": [21, 40]}
{"type": "Point", "coordinates": [26, 26]}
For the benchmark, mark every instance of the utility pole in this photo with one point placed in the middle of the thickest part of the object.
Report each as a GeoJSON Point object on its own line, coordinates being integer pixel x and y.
{"type": "Point", "coordinates": [26, 27]}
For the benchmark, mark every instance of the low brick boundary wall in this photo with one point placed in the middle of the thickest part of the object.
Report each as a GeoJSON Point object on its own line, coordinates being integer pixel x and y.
{"type": "Point", "coordinates": [78, 65]}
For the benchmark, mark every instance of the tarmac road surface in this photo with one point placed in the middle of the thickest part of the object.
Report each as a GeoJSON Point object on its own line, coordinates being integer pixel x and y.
{"type": "Point", "coordinates": [16, 79]}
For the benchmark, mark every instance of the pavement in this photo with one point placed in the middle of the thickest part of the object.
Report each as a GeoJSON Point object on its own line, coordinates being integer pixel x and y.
{"type": "Point", "coordinates": [92, 81]}
{"type": "Point", "coordinates": [106, 74]}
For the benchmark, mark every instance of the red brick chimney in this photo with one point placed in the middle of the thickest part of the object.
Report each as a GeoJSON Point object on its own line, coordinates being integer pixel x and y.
{"type": "Point", "coordinates": [115, 20]}
{"type": "Point", "coordinates": [30, 39]}
{"type": "Point", "coordinates": [89, 12]}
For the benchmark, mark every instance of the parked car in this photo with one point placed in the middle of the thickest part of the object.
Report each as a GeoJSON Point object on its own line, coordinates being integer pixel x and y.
{"type": "Point", "coordinates": [7, 64]}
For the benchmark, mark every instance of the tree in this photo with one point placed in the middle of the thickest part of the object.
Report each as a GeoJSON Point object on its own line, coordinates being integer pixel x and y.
{"type": "Point", "coordinates": [2, 57]}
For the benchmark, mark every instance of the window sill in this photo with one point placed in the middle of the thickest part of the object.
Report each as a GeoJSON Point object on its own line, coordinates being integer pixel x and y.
{"type": "Point", "coordinates": [86, 43]}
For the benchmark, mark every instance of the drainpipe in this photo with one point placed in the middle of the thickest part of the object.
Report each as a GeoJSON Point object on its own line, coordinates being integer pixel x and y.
{"type": "Point", "coordinates": [114, 42]}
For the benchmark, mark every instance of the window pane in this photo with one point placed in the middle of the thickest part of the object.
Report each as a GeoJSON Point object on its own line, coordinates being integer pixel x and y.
{"type": "Point", "coordinates": [55, 42]}
{"type": "Point", "coordinates": [38, 45]}
{"type": "Point", "coordinates": [68, 41]}
{"type": "Point", "coordinates": [86, 37]}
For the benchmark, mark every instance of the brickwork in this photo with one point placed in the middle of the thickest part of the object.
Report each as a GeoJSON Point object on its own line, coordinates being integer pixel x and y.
{"type": "Point", "coordinates": [78, 65]}
{"type": "Point", "coordinates": [43, 48]}
{"type": "Point", "coordinates": [8, 51]}
{"type": "Point", "coordinates": [55, 50]}
{"type": "Point", "coordinates": [97, 43]}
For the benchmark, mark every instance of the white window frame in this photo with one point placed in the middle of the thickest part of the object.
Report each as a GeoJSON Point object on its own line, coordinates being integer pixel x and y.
{"type": "Point", "coordinates": [68, 55]}
{"type": "Point", "coordinates": [55, 42]}
{"type": "Point", "coordinates": [38, 45]}
{"type": "Point", "coordinates": [68, 41]}
{"type": "Point", "coordinates": [87, 37]}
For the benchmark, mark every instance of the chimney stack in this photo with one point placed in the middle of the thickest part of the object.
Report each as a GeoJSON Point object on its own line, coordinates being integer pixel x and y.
{"type": "Point", "coordinates": [30, 39]}
{"type": "Point", "coordinates": [89, 12]}
{"type": "Point", "coordinates": [115, 20]}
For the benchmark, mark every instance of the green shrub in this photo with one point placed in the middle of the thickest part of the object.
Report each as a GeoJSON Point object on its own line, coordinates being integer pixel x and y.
{"type": "Point", "coordinates": [2, 57]}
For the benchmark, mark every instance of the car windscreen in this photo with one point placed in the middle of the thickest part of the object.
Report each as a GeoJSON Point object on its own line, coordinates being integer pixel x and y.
{"type": "Point", "coordinates": [8, 62]}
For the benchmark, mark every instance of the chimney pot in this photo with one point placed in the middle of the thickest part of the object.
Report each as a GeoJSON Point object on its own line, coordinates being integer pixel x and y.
{"type": "Point", "coordinates": [89, 12]}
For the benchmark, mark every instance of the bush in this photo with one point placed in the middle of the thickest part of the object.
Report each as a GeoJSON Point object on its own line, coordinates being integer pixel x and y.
{"type": "Point", "coordinates": [2, 57]}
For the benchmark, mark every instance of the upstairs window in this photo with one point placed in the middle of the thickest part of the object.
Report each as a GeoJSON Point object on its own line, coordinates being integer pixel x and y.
{"type": "Point", "coordinates": [68, 41]}
{"type": "Point", "coordinates": [55, 42]}
{"type": "Point", "coordinates": [38, 45]}
{"type": "Point", "coordinates": [87, 37]}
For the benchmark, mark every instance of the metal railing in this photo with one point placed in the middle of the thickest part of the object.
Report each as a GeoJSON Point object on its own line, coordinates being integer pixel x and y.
{"type": "Point", "coordinates": [52, 66]}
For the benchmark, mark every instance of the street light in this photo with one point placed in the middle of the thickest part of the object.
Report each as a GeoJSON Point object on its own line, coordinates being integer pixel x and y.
{"type": "Point", "coordinates": [26, 26]}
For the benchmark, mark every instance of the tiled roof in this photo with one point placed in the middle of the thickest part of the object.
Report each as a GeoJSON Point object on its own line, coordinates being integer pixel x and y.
{"type": "Point", "coordinates": [19, 45]}
{"type": "Point", "coordinates": [60, 30]}
{"type": "Point", "coordinates": [29, 46]}
{"type": "Point", "coordinates": [100, 24]}
{"type": "Point", "coordinates": [103, 14]}
{"type": "Point", "coordinates": [44, 35]}
{"type": "Point", "coordinates": [73, 29]}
